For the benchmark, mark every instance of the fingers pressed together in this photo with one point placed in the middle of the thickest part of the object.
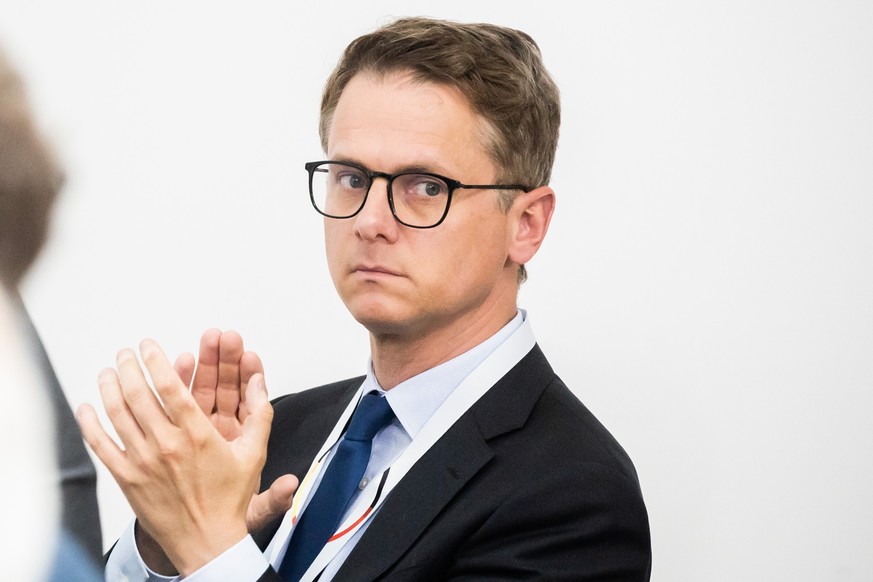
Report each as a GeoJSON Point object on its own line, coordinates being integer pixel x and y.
{"type": "Point", "coordinates": [189, 461]}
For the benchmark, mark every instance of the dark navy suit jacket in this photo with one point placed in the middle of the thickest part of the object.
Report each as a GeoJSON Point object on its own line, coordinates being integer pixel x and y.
{"type": "Point", "coordinates": [527, 484]}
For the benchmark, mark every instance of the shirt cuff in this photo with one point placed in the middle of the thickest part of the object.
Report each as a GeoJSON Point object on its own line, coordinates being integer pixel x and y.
{"type": "Point", "coordinates": [242, 561]}
{"type": "Point", "coordinates": [126, 565]}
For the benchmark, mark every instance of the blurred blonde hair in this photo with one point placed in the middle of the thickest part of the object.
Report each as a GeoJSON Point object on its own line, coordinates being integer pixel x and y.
{"type": "Point", "coordinates": [30, 180]}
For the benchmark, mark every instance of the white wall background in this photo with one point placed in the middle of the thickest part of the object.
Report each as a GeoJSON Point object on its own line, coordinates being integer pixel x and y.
{"type": "Point", "coordinates": [706, 289]}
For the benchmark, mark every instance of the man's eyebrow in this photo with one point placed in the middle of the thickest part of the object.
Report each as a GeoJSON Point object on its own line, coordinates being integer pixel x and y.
{"type": "Point", "coordinates": [417, 167]}
{"type": "Point", "coordinates": [428, 169]}
{"type": "Point", "coordinates": [343, 160]}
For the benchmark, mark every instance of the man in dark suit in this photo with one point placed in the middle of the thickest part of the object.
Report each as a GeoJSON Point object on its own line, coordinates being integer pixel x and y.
{"type": "Point", "coordinates": [526, 484]}
{"type": "Point", "coordinates": [460, 454]}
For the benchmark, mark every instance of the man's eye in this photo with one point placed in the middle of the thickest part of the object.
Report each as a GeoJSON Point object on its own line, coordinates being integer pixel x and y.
{"type": "Point", "coordinates": [352, 181]}
{"type": "Point", "coordinates": [433, 189]}
{"type": "Point", "coordinates": [425, 186]}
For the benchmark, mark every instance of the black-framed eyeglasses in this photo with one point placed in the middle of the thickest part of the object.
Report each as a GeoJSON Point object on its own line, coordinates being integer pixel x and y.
{"type": "Point", "coordinates": [417, 199]}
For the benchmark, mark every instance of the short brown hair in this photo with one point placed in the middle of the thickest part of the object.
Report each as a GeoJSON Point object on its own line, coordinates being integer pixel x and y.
{"type": "Point", "coordinates": [29, 180]}
{"type": "Point", "coordinates": [498, 69]}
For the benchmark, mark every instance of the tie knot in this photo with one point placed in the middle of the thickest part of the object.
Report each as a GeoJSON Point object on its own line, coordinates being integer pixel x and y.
{"type": "Point", "coordinates": [373, 412]}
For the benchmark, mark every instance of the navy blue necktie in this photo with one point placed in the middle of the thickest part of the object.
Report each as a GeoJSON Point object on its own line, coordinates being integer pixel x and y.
{"type": "Point", "coordinates": [341, 478]}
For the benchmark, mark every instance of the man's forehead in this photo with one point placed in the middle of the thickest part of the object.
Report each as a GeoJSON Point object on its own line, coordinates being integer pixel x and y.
{"type": "Point", "coordinates": [405, 123]}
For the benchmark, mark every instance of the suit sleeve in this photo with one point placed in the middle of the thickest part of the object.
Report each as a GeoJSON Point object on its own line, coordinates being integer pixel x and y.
{"type": "Point", "coordinates": [586, 525]}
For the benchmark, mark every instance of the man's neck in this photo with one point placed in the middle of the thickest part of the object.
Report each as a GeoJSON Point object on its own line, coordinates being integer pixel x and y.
{"type": "Point", "coordinates": [398, 357]}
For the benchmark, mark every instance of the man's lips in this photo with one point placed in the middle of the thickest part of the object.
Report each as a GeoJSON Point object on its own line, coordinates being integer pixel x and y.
{"type": "Point", "coordinates": [374, 270]}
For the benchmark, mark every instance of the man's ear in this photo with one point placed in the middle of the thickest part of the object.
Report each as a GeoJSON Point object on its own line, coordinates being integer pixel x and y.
{"type": "Point", "coordinates": [531, 213]}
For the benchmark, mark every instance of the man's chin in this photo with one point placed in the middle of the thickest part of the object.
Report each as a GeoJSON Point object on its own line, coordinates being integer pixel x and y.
{"type": "Point", "coordinates": [380, 321]}
{"type": "Point", "coordinates": [380, 325]}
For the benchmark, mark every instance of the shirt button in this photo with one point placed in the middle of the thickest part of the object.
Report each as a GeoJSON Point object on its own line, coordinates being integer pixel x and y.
{"type": "Point", "coordinates": [363, 484]}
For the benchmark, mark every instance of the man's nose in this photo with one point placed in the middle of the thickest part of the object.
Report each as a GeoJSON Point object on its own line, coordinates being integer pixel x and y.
{"type": "Point", "coordinates": [376, 219]}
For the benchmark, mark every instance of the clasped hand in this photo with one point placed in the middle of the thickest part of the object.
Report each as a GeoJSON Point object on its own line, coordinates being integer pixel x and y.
{"type": "Point", "coordinates": [190, 460]}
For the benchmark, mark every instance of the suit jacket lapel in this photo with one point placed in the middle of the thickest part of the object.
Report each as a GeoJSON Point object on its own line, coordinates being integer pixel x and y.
{"type": "Point", "coordinates": [296, 438]}
{"type": "Point", "coordinates": [446, 468]}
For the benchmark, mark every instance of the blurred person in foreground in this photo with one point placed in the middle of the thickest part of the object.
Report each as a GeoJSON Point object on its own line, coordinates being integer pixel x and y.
{"type": "Point", "coordinates": [51, 526]}
{"type": "Point", "coordinates": [460, 454]}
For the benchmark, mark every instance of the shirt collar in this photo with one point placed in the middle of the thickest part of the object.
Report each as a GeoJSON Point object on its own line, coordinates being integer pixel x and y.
{"type": "Point", "coordinates": [415, 400]}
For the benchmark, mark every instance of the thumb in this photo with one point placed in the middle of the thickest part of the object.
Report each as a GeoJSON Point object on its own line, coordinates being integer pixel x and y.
{"type": "Point", "coordinates": [256, 426]}
{"type": "Point", "coordinates": [272, 503]}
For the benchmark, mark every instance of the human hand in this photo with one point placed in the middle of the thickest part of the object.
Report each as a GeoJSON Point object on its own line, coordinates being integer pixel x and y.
{"type": "Point", "coordinates": [218, 383]}
{"type": "Point", "coordinates": [189, 483]}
